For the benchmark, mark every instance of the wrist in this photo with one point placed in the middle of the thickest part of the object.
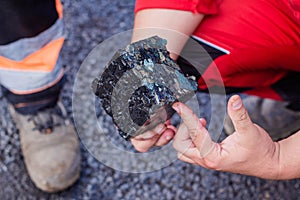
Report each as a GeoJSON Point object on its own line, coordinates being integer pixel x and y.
{"type": "Point", "coordinates": [276, 173]}
{"type": "Point", "coordinates": [288, 167]}
{"type": "Point", "coordinates": [270, 167]}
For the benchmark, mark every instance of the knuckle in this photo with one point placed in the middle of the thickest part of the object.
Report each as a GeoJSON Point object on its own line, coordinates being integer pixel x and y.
{"type": "Point", "coordinates": [243, 116]}
{"type": "Point", "coordinates": [193, 131]}
{"type": "Point", "coordinates": [243, 121]}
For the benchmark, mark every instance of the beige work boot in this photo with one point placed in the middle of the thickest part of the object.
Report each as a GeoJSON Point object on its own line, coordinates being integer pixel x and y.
{"type": "Point", "coordinates": [50, 148]}
{"type": "Point", "coordinates": [279, 121]}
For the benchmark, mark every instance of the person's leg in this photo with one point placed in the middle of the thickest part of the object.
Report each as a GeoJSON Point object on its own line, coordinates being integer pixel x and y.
{"type": "Point", "coordinates": [32, 77]}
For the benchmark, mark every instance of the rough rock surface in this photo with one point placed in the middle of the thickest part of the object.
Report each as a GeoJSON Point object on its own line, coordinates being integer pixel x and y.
{"type": "Point", "coordinates": [139, 85]}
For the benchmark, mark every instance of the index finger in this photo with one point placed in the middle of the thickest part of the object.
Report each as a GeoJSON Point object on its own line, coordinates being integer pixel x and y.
{"type": "Point", "coordinates": [188, 117]}
{"type": "Point", "coordinates": [196, 130]}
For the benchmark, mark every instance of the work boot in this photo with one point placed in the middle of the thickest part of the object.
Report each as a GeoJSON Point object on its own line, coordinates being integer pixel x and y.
{"type": "Point", "coordinates": [50, 147]}
{"type": "Point", "coordinates": [274, 116]}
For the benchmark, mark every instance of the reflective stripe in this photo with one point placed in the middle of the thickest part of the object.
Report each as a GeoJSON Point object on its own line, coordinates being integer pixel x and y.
{"type": "Point", "coordinates": [30, 82]}
{"type": "Point", "coordinates": [22, 48]}
{"type": "Point", "coordinates": [43, 60]}
{"type": "Point", "coordinates": [211, 44]}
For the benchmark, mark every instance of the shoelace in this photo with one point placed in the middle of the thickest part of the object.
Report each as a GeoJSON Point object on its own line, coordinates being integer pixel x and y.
{"type": "Point", "coordinates": [46, 120]}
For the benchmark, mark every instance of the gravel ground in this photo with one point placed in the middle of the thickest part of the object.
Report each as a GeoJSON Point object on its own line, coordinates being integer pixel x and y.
{"type": "Point", "coordinates": [89, 23]}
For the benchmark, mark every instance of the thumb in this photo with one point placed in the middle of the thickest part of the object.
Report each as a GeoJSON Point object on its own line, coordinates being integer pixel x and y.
{"type": "Point", "coordinates": [239, 115]}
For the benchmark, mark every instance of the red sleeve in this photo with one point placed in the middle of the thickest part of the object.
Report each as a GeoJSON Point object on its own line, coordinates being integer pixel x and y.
{"type": "Point", "coordinates": [196, 6]}
{"type": "Point", "coordinates": [253, 67]}
{"type": "Point", "coordinates": [257, 67]}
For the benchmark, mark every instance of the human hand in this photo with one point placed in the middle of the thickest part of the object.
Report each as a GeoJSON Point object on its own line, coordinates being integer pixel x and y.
{"type": "Point", "coordinates": [249, 150]}
{"type": "Point", "coordinates": [161, 135]}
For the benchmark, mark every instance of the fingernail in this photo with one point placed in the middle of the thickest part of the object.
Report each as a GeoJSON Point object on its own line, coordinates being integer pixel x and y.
{"type": "Point", "coordinates": [168, 137]}
{"type": "Point", "coordinates": [160, 129]}
{"type": "Point", "coordinates": [176, 107]}
{"type": "Point", "coordinates": [202, 120]}
{"type": "Point", "coordinates": [237, 104]}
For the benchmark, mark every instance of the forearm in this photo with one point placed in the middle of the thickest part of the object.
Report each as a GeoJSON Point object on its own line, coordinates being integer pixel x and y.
{"type": "Point", "coordinates": [173, 25]}
{"type": "Point", "coordinates": [289, 159]}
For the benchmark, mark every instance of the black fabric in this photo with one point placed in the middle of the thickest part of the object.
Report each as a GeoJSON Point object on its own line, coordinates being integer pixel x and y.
{"type": "Point", "coordinates": [25, 18]}
{"type": "Point", "coordinates": [197, 56]}
{"type": "Point", "coordinates": [187, 68]}
{"type": "Point", "coordinates": [31, 103]}
{"type": "Point", "coordinates": [295, 106]}
{"type": "Point", "coordinates": [289, 87]}
{"type": "Point", "coordinates": [200, 58]}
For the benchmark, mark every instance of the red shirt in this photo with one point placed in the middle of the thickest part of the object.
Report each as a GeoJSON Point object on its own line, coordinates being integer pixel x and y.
{"type": "Point", "coordinates": [262, 39]}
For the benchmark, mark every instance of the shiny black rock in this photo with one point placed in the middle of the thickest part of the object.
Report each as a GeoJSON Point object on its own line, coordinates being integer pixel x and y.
{"type": "Point", "coordinates": [139, 85]}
